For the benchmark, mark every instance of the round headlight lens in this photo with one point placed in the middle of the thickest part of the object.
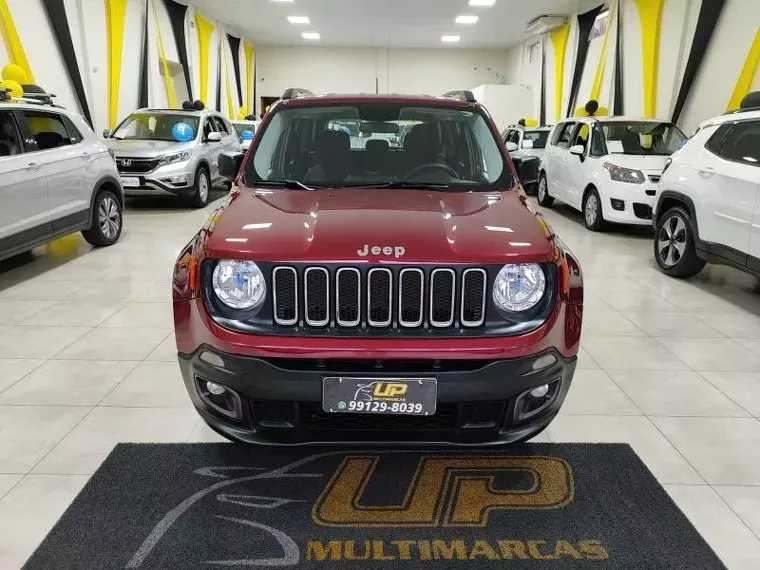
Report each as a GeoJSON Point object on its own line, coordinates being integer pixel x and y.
{"type": "Point", "coordinates": [239, 284]}
{"type": "Point", "coordinates": [519, 287]}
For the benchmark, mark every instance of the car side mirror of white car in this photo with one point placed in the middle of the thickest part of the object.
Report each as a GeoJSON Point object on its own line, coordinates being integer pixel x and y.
{"type": "Point", "coordinates": [214, 137]}
{"type": "Point", "coordinates": [527, 144]}
{"type": "Point", "coordinates": [511, 147]}
{"type": "Point", "coordinates": [107, 133]}
{"type": "Point", "coordinates": [577, 150]}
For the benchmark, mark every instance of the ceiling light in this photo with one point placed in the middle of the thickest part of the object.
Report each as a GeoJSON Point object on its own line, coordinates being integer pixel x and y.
{"type": "Point", "coordinates": [482, 2]}
{"type": "Point", "coordinates": [449, 39]}
{"type": "Point", "coordinates": [298, 19]}
{"type": "Point", "coordinates": [282, 1]}
{"type": "Point", "coordinates": [310, 35]}
{"type": "Point", "coordinates": [466, 19]}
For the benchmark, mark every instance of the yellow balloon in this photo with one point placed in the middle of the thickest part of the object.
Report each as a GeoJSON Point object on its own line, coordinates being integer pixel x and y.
{"type": "Point", "coordinates": [13, 72]}
{"type": "Point", "coordinates": [12, 86]}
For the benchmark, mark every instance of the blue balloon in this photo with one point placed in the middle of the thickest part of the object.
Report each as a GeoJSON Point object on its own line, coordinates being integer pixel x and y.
{"type": "Point", "coordinates": [183, 132]}
{"type": "Point", "coordinates": [246, 135]}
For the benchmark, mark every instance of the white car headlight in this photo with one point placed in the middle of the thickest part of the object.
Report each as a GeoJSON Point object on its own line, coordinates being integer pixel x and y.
{"type": "Point", "coordinates": [519, 287]}
{"type": "Point", "coordinates": [239, 284]}
{"type": "Point", "coordinates": [179, 157]}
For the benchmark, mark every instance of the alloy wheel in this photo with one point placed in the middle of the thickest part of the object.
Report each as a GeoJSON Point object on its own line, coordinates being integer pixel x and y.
{"type": "Point", "coordinates": [671, 241]}
{"type": "Point", "coordinates": [591, 211]}
{"type": "Point", "coordinates": [542, 189]}
{"type": "Point", "coordinates": [109, 217]}
{"type": "Point", "coordinates": [203, 187]}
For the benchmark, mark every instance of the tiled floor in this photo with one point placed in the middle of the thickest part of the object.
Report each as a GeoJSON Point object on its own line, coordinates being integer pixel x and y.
{"type": "Point", "coordinates": [87, 360]}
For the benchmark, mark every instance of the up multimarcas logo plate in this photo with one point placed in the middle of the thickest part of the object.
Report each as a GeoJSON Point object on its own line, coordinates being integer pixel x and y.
{"type": "Point", "coordinates": [218, 505]}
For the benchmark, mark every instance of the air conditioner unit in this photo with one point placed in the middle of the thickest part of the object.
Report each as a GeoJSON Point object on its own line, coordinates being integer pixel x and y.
{"type": "Point", "coordinates": [545, 23]}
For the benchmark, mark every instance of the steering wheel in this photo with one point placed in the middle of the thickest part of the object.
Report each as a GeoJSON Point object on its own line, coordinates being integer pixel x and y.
{"type": "Point", "coordinates": [431, 166]}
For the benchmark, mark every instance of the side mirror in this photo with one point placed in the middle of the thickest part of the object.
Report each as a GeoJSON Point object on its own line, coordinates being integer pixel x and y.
{"type": "Point", "coordinates": [229, 164]}
{"type": "Point", "coordinates": [214, 137]}
{"type": "Point", "coordinates": [527, 144]}
{"type": "Point", "coordinates": [511, 147]}
{"type": "Point", "coordinates": [517, 162]}
{"type": "Point", "coordinates": [577, 150]}
{"type": "Point", "coordinates": [107, 133]}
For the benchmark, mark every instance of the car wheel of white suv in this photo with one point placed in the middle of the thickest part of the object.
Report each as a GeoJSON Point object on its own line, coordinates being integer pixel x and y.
{"type": "Point", "coordinates": [674, 245]}
{"type": "Point", "coordinates": [543, 192]}
{"type": "Point", "coordinates": [592, 211]}
{"type": "Point", "coordinates": [202, 188]}
{"type": "Point", "coordinates": [106, 220]}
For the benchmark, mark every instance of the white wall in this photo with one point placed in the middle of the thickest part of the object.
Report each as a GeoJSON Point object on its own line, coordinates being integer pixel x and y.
{"type": "Point", "coordinates": [712, 89]}
{"type": "Point", "coordinates": [362, 70]}
{"type": "Point", "coordinates": [89, 34]}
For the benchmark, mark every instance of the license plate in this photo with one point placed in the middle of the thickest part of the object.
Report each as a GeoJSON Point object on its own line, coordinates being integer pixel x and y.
{"type": "Point", "coordinates": [130, 181]}
{"type": "Point", "coordinates": [403, 396]}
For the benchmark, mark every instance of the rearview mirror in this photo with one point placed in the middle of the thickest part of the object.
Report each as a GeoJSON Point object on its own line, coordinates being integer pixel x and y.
{"type": "Point", "coordinates": [511, 147]}
{"type": "Point", "coordinates": [107, 133]}
{"type": "Point", "coordinates": [214, 137]}
{"type": "Point", "coordinates": [229, 164]}
{"type": "Point", "coordinates": [577, 150]}
{"type": "Point", "coordinates": [527, 144]}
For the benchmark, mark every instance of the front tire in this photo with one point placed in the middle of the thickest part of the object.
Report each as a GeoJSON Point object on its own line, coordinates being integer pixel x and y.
{"type": "Point", "coordinates": [107, 220]}
{"type": "Point", "coordinates": [592, 212]}
{"type": "Point", "coordinates": [674, 245]}
{"type": "Point", "coordinates": [202, 188]}
{"type": "Point", "coordinates": [543, 192]}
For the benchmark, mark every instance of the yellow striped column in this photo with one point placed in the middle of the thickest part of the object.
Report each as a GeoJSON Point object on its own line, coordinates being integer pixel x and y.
{"type": "Point", "coordinates": [747, 75]}
{"type": "Point", "coordinates": [205, 31]}
{"type": "Point", "coordinates": [650, 16]}
{"type": "Point", "coordinates": [559, 41]}
{"type": "Point", "coordinates": [12, 41]}
{"type": "Point", "coordinates": [116, 14]}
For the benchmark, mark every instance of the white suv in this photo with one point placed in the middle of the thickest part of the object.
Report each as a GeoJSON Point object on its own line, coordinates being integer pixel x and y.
{"type": "Point", "coordinates": [708, 202]}
{"type": "Point", "coordinates": [607, 167]}
{"type": "Point", "coordinates": [56, 178]}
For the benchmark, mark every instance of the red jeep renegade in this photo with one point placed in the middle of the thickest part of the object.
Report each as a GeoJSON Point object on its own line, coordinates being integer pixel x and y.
{"type": "Point", "coordinates": [377, 274]}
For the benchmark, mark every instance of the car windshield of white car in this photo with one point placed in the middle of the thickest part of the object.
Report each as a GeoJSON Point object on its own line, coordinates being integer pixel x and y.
{"type": "Point", "coordinates": [539, 138]}
{"type": "Point", "coordinates": [642, 137]}
{"type": "Point", "coordinates": [380, 144]}
{"type": "Point", "coordinates": [171, 127]}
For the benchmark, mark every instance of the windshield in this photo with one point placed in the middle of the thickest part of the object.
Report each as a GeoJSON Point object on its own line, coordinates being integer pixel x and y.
{"type": "Point", "coordinates": [382, 144]}
{"type": "Point", "coordinates": [642, 137]}
{"type": "Point", "coordinates": [539, 138]}
{"type": "Point", "coordinates": [173, 127]}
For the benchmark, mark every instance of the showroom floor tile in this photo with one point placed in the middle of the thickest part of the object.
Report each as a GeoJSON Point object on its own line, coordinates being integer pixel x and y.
{"type": "Point", "coordinates": [87, 359]}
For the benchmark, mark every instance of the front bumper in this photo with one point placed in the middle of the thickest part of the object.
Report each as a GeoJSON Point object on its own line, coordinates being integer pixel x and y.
{"type": "Point", "coordinates": [637, 201]}
{"type": "Point", "coordinates": [280, 398]}
{"type": "Point", "coordinates": [169, 180]}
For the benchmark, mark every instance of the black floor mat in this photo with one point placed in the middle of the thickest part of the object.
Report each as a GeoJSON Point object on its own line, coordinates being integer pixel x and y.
{"type": "Point", "coordinates": [553, 506]}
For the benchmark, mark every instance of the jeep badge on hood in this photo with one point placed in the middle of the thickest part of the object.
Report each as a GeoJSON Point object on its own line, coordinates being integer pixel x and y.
{"type": "Point", "coordinates": [396, 251]}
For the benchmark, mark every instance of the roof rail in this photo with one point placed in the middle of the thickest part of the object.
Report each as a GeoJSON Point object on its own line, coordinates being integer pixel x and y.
{"type": "Point", "coordinates": [296, 92]}
{"type": "Point", "coordinates": [745, 110]}
{"type": "Point", "coordinates": [462, 95]}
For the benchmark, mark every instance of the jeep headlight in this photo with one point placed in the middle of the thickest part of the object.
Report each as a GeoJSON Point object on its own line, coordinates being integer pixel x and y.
{"type": "Point", "coordinates": [178, 157]}
{"type": "Point", "coordinates": [519, 287]}
{"type": "Point", "coordinates": [239, 284]}
{"type": "Point", "coordinates": [623, 174]}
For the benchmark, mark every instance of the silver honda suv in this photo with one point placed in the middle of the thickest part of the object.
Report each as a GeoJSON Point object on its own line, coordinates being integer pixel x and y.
{"type": "Point", "coordinates": [56, 178]}
{"type": "Point", "coordinates": [171, 152]}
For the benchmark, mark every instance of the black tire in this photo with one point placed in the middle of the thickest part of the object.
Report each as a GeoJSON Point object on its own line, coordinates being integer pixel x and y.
{"type": "Point", "coordinates": [107, 220]}
{"type": "Point", "coordinates": [674, 245]}
{"type": "Point", "coordinates": [202, 188]}
{"type": "Point", "coordinates": [593, 218]}
{"type": "Point", "coordinates": [543, 192]}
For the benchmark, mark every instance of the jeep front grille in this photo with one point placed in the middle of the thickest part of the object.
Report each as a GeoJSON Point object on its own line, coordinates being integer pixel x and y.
{"type": "Point", "coordinates": [379, 297]}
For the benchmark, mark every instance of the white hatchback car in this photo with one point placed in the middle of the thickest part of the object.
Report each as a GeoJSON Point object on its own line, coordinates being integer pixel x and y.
{"type": "Point", "coordinates": [607, 167]}
{"type": "Point", "coordinates": [708, 202]}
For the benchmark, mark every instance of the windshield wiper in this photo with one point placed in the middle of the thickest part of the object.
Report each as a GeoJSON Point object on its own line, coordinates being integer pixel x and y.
{"type": "Point", "coordinates": [401, 184]}
{"type": "Point", "coordinates": [293, 184]}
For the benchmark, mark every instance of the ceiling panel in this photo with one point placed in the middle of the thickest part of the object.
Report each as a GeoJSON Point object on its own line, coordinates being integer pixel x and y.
{"type": "Point", "coordinates": [380, 23]}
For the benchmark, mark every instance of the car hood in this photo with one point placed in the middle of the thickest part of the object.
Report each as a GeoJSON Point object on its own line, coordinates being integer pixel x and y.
{"type": "Point", "coordinates": [146, 149]}
{"type": "Point", "coordinates": [639, 162]}
{"type": "Point", "coordinates": [409, 226]}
